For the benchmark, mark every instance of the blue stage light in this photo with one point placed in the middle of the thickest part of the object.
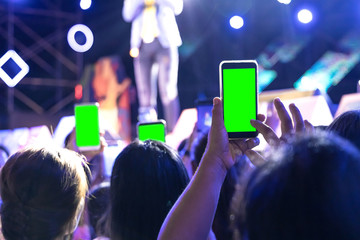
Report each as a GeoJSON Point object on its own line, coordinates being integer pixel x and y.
{"type": "Point", "coordinates": [236, 22]}
{"type": "Point", "coordinates": [305, 16]}
{"type": "Point", "coordinates": [286, 2]}
{"type": "Point", "coordinates": [85, 4]}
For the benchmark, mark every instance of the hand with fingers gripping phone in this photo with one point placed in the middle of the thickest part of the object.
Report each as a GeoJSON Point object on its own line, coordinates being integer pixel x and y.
{"type": "Point", "coordinates": [220, 155]}
{"type": "Point", "coordinates": [290, 125]}
{"type": "Point", "coordinates": [202, 194]}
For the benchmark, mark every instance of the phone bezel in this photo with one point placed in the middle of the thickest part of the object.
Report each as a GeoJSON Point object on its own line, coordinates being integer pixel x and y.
{"type": "Point", "coordinates": [239, 64]}
{"type": "Point", "coordinates": [160, 121]}
{"type": "Point", "coordinates": [92, 147]}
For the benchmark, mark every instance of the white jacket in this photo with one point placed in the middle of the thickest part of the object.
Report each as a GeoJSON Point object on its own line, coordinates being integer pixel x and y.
{"type": "Point", "coordinates": [166, 11]}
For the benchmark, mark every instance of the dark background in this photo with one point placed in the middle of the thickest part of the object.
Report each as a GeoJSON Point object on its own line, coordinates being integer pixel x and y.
{"type": "Point", "coordinates": [207, 40]}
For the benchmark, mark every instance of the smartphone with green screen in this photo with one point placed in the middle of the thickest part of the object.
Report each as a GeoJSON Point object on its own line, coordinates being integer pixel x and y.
{"type": "Point", "coordinates": [239, 94]}
{"type": "Point", "coordinates": [87, 129]}
{"type": "Point", "coordinates": [152, 130]}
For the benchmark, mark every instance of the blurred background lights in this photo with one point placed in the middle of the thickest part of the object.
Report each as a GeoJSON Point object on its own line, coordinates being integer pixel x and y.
{"type": "Point", "coordinates": [236, 22]}
{"type": "Point", "coordinates": [85, 4]}
{"type": "Point", "coordinates": [305, 16]}
{"type": "Point", "coordinates": [134, 52]}
{"type": "Point", "coordinates": [12, 68]}
{"type": "Point", "coordinates": [284, 1]}
{"type": "Point", "coordinates": [84, 45]}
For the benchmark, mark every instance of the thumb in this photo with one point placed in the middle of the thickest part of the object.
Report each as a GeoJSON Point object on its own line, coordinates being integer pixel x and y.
{"type": "Point", "coordinates": [217, 113]}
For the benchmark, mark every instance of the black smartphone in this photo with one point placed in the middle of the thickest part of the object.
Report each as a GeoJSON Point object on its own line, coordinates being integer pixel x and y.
{"type": "Point", "coordinates": [239, 94]}
{"type": "Point", "coordinates": [152, 130]}
{"type": "Point", "coordinates": [204, 115]}
{"type": "Point", "coordinates": [87, 127]}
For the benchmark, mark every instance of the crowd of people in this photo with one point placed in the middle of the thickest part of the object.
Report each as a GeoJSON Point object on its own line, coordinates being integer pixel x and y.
{"type": "Point", "coordinates": [305, 186]}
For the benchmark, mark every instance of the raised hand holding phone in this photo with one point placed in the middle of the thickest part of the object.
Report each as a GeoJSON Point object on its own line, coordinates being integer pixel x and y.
{"type": "Point", "coordinates": [220, 155]}
{"type": "Point", "coordinates": [152, 130]}
{"type": "Point", "coordinates": [238, 91]}
{"type": "Point", "coordinates": [87, 127]}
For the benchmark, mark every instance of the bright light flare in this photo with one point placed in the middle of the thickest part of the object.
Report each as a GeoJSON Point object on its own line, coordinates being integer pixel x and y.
{"type": "Point", "coordinates": [85, 4]}
{"type": "Point", "coordinates": [286, 2]}
{"type": "Point", "coordinates": [134, 52]}
{"type": "Point", "coordinates": [236, 22]}
{"type": "Point", "coordinates": [305, 16]}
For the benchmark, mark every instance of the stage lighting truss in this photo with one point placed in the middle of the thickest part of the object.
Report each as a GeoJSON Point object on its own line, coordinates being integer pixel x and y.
{"type": "Point", "coordinates": [24, 68]}
{"type": "Point", "coordinates": [88, 36]}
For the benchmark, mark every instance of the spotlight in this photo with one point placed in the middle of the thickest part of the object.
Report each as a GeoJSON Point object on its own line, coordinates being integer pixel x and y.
{"type": "Point", "coordinates": [134, 52]}
{"type": "Point", "coordinates": [286, 2]}
{"type": "Point", "coordinates": [236, 22]}
{"type": "Point", "coordinates": [305, 16]}
{"type": "Point", "coordinates": [85, 4]}
{"type": "Point", "coordinates": [89, 38]}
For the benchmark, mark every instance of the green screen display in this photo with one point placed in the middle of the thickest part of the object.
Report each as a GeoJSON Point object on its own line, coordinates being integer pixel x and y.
{"type": "Point", "coordinates": [87, 126]}
{"type": "Point", "coordinates": [239, 99]}
{"type": "Point", "coordinates": [151, 131]}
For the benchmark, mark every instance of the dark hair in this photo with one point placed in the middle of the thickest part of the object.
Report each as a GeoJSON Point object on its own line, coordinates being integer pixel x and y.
{"type": "Point", "coordinates": [43, 190]}
{"type": "Point", "coordinates": [4, 155]}
{"type": "Point", "coordinates": [197, 150]}
{"type": "Point", "coordinates": [347, 125]}
{"type": "Point", "coordinates": [309, 189]}
{"type": "Point", "coordinates": [147, 178]}
{"type": "Point", "coordinates": [97, 206]}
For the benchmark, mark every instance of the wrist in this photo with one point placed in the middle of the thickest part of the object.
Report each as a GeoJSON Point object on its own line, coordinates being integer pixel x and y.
{"type": "Point", "coordinates": [214, 165]}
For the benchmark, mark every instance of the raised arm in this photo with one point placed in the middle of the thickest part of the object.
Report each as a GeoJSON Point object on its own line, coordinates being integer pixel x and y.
{"type": "Point", "coordinates": [192, 215]}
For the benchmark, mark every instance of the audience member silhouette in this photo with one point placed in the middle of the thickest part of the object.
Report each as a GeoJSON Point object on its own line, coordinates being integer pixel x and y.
{"type": "Point", "coordinates": [308, 189]}
{"type": "Point", "coordinates": [147, 178]}
{"type": "Point", "coordinates": [347, 125]}
{"type": "Point", "coordinates": [43, 192]}
{"type": "Point", "coordinates": [97, 206]}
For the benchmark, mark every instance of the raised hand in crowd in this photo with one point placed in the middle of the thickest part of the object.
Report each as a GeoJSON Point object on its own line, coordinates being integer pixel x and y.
{"type": "Point", "coordinates": [202, 194]}
{"type": "Point", "coordinates": [289, 127]}
{"type": "Point", "coordinates": [70, 143]}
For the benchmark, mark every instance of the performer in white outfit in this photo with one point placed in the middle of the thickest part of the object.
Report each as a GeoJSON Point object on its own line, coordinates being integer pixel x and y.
{"type": "Point", "coordinates": [155, 39]}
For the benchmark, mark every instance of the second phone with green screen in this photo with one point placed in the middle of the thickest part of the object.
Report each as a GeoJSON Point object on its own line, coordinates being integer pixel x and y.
{"type": "Point", "coordinates": [238, 90]}
{"type": "Point", "coordinates": [152, 131]}
{"type": "Point", "coordinates": [87, 127]}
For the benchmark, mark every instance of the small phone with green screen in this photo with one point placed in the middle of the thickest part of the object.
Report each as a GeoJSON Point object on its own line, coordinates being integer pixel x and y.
{"type": "Point", "coordinates": [204, 115]}
{"type": "Point", "coordinates": [87, 129]}
{"type": "Point", "coordinates": [239, 94]}
{"type": "Point", "coordinates": [152, 130]}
